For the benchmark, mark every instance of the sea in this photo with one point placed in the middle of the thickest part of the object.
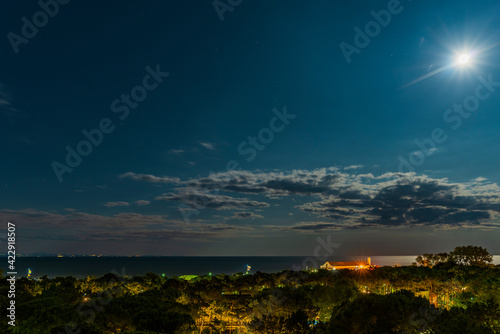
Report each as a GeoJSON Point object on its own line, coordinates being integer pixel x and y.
{"type": "Point", "coordinates": [170, 266]}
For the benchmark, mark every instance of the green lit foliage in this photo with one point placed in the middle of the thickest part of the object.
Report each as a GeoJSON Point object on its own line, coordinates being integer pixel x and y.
{"type": "Point", "coordinates": [371, 313]}
{"type": "Point", "coordinates": [381, 300]}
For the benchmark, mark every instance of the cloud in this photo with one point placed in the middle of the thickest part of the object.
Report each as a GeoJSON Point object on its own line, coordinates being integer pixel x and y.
{"type": "Point", "coordinates": [138, 202]}
{"type": "Point", "coordinates": [113, 204]}
{"type": "Point", "coordinates": [173, 151]}
{"type": "Point", "coordinates": [311, 227]}
{"type": "Point", "coordinates": [352, 200]}
{"type": "Point", "coordinates": [201, 200]}
{"type": "Point", "coordinates": [353, 167]}
{"type": "Point", "coordinates": [80, 220]}
{"type": "Point", "coordinates": [209, 146]}
{"type": "Point", "coordinates": [150, 178]}
{"type": "Point", "coordinates": [33, 224]}
{"type": "Point", "coordinates": [245, 215]}
{"type": "Point", "coordinates": [421, 202]}
{"type": "Point", "coordinates": [205, 233]}
{"type": "Point", "coordinates": [6, 105]}
{"type": "Point", "coordinates": [320, 181]}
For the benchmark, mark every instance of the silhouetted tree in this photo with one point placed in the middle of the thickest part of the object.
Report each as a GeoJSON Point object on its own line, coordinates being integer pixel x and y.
{"type": "Point", "coordinates": [430, 260]}
{"type": "Point", "coordinates": [471, 255]}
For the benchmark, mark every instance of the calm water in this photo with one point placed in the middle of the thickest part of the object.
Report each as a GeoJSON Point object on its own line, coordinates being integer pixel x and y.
{"type": "Point", "coordinates": [175, 266]}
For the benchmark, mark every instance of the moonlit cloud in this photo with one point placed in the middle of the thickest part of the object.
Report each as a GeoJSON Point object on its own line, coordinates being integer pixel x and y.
{"type": "Point", "coordinates": [150, 178]}
{"type": "Point", "coordinates": [113, 204]}
{"type": "Point", "coordinates": [83, 226]}
{"type": "Point", "coordinates": [349, 200]}
{"type": "Point", "coordinates": [353, 167]}
{"type": "Point", "coordinates": [245, 215]}
{"type": "Point", "coordinates": [173, 151]}
{"type": "Point", "coordinates": [411, 203]}
{"type": "Point", "coordinates": [312, 227]}
{"type": "Point", "coordinates": [197, 199]}
{"type": "Point", "coordinates": [208, 146]}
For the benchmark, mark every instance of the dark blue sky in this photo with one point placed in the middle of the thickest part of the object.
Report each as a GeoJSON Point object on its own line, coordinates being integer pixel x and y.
{"type": "Point", "coordinates": [316, 135]}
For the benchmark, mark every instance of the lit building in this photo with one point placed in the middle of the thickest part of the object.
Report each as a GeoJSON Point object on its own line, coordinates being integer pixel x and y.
{"type": "Point", "coordinates": [353, 265]}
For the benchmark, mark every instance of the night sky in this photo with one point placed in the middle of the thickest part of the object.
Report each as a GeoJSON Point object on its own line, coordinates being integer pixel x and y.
{"type": "Point", "coordinates": [250, 127]}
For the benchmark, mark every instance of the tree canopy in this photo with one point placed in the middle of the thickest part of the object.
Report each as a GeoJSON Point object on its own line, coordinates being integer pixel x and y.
{"type": "Point", "coordinates": [471, 256]}
{"type": "Point", "coordinates": [462, 255]}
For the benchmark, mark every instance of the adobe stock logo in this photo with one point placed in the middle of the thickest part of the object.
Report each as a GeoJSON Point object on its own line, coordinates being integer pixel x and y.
{"type": "Point", "coordinates": [267, 306]}
{"type": "Point", "coordinates": [121, 106]}
{"type": "Point", "coordinates": [255, 144]}
{"type": "Point", "coordinates": [266, 135]}
{"type": "Point", "coordinates": [221, 7]}
{"type": "Point", "coordinates": [372, 29]}
{"type": "Point", "coordinates": [40, 19]}
{"type": "Point", "coordinates": [455, 116]}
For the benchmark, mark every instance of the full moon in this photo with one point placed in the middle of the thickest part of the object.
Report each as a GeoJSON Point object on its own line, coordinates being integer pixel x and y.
{"type": "Point", "coordinates": [463, 59]}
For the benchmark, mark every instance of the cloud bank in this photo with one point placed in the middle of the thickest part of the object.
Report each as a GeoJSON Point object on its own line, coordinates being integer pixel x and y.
{"type": "Point", "coordinates": [342, 199]}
